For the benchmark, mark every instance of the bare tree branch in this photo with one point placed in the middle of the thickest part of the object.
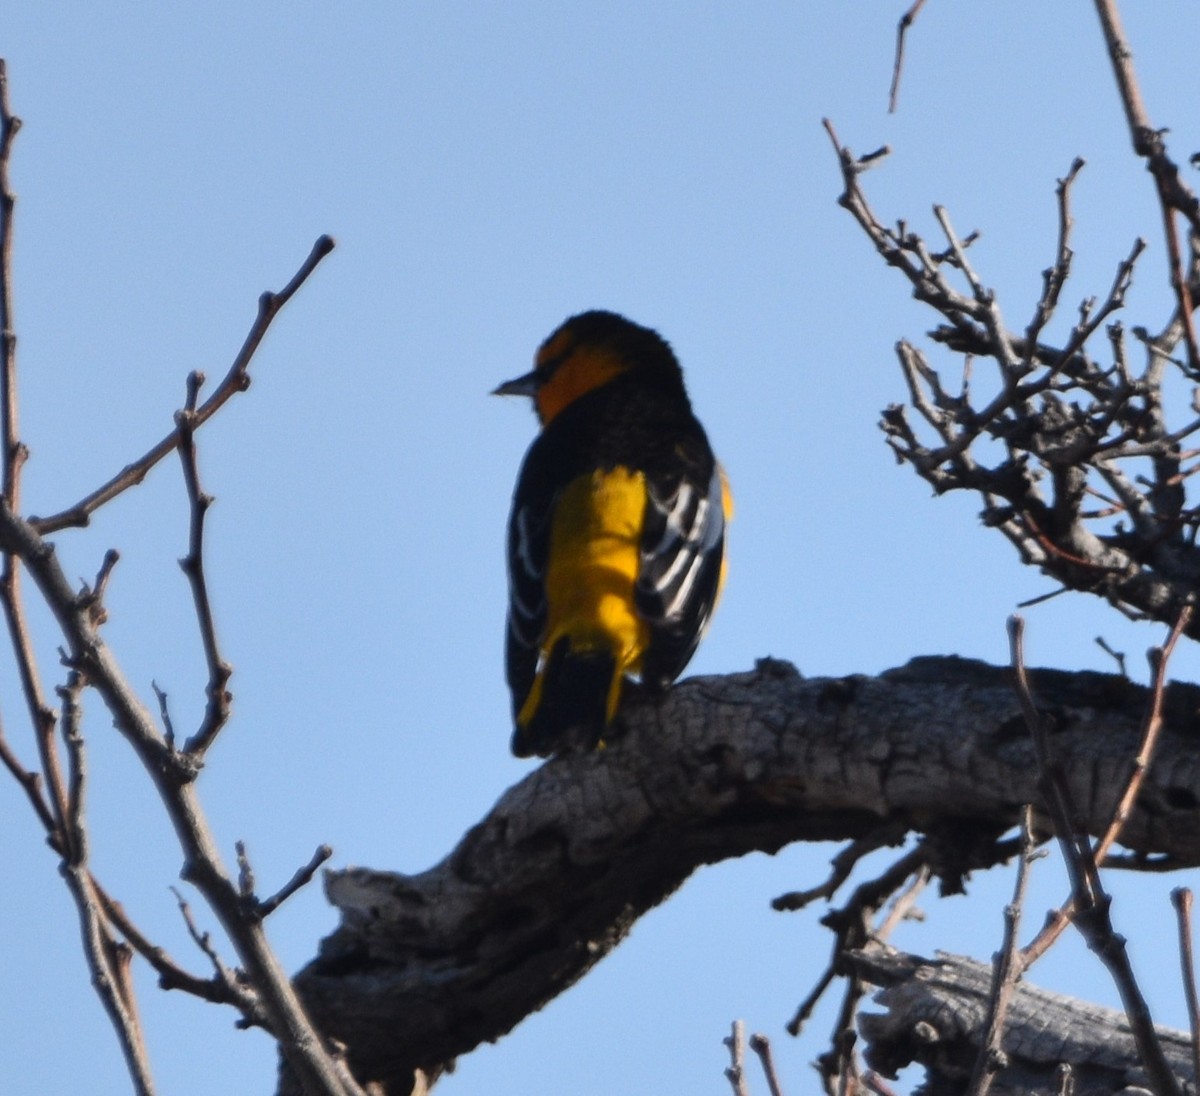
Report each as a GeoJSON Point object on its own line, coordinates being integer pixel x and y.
{"type": "Point", "coordinates": [220, 700]}
{"type": "Point", "coordinates": [107, 958]}
{"type": "Point", "coordinates": [1092, 903]}
{"type": "Point", "coordinates": [1174, 195]}
{"type": "Point", "coordinates": [761, 1046]}
{"type": "Point", "coordinates": [80, 614]}
{"type": "Point", "coordinates": [301, 878]}
{"type": "Point", "coordinates": [903, 907]}
{"type": "Point", "coordinates": [1067, 424]}
{"type": "Point", "coordinates": [173, 976]}
{"type": "Point", "coordinates": [12, 455]}
{"type": "Point", "coordinates": [1181, 898]}
{"type": "Point", "coordinates": [1159, 658]}
{"type": "Point", "coordinates": [906, 21]}
{"type": "Point", "coordinates": [1117, 656]}
{"type": "Point", "coordinates": [843, 864]}
{"type": "Point", "coordinates": [735, 1073]}
{"type": "Point", "coordinates": [424, 967]}
{"type": "Point", "coordinates": [11, 450]}
{"type": "Point", "coordinates": [990, 1059]}
{"type": "Point", "coordinates": [173, 775]}
{"type": "Point", "coordinates": [1072, 427]}
{"type": "Point", "coordinates": [237, 379]}
{"type": "Point", "coordinates": [934, 1016]}
{"type": "Point", "coordinates": [851, 928]}
{"type": "Point", "coordinates": [31, 784]}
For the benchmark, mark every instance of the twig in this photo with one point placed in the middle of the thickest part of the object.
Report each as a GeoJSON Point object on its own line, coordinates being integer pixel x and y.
{"type": "Point", "coordinates": [1054, 445]}
{"type": "Point", "coordinates": [1116, 656]}
{"type": "Point", "coordinates": [842, 865]}
{"type": "Point", "coordinates": [761, 1046]}
{"type": "Point", "coordinates": [852, 929]}
{"type": "Point", "coordinates": [851, 924]}
{"type": "Point", "coordinates": [906, 21]}
{"type": "Point", "coordinates": [874, 1083]}
{"type": "Point", "coordinates": [735, 1074]}
{"type": "Point", "coordinates": [958, 250]}
{"type": "Point", "coordinates": [1077, 851]}
{"type": "Point", "coordinates": [165, 713]}
{"type": "Point", "coordinates": [990, 1059]}
{"type": "Point", "coordinates": [72, 714]}
{"type": "Point", "coordinates": [41, 715]}
{"type": "Point", "coordinates": [13, 453]}
{"type": "Point", "coordinates": [173, 776]}
{"type": "Point", "coordinates": [245, 872]}
{"type": "Point", "coordinates": [1041, 599]}
{"type": "Point", "coordinates": [1174, 196]}
{"type": "Point", "coordinates": [840, 1064]}
{"type": "Point", "coordinates": [1091, 901]}
{"type": "Point", "coordinates": [1091, 319]}
{"type": "Point", "coordinates": [107, 959]}
{"type": "Point", "coordinates": [229, 978]}
{"type": "Point", "coordinates": [1139, 767]}
{"type": "Point", "coordinates": [1151, 726]}
{"type": "Point", "coordinates": [95, 595]}
{"type": "Point", "coordinates": [173, 976]}
{"type": "Point", "coordinates": [302, 878]}
{"type": "Point", "coordinates": [237, 379]}
{"type": "Point", "coordinates": [1181, 899]}
{"type": "Point", "coordinates": [1054, 278]}
{"type": "Point", "coordinates": [220, 700]}
{"type": "Point", "coordinates": [902, 906]}
{"type": "Point", "coordinates": [246, 885]}
{"type": "Point", "coordinates": [31, 784]}
{"type": "Point", "coordinates": [88, 656]}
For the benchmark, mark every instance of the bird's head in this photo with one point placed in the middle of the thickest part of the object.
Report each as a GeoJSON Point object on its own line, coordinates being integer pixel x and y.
{"type": "Point", "coordinates": [588, 351]}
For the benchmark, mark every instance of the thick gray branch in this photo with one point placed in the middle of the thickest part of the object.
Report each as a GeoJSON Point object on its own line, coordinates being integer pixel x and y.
{"type": "Point", "coordinates": [425, 967]}
{"type": "Point", "coordinates": [935, 1011]}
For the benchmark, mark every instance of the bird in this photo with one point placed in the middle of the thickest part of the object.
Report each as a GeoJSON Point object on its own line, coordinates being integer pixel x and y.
{"type": "Point", "coordinates": [616, 537]}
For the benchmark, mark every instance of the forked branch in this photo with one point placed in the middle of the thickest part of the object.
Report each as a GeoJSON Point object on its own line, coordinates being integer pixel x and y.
{"type": "Point", "coordinates": [237, 379]}
{"type": "Point", "coordinates": [262, 990]}
{"type": "Point", "coordinates": [1068, 427]}
{"type": "Point", "coordinates": [1092, 903]}
{"type": "Point", "coordinates": [220, 700]}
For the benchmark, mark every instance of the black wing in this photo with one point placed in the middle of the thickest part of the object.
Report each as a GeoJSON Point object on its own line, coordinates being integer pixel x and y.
{"type": "Point", "coordinates": [683, 544]}
{"type": "Point", "coordinates": [528, 552]}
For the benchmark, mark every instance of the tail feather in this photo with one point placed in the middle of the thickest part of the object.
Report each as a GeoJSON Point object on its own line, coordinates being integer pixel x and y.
{"type": "Point", "coordinates": [572, 708]}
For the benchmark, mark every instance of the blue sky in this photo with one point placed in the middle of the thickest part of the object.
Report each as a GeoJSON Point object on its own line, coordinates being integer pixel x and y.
{"type": "Point", "coordinates": [488, 170]}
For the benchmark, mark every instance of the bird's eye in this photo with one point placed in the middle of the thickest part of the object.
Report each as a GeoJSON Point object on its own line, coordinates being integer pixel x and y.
{"type": "Point", "coordinates": [553, 356]}
{"type": "Point", "coordinates": [554, 364]}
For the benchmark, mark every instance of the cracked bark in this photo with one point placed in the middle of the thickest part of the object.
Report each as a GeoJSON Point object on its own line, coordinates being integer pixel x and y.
{"type": "Point", "coordinates": [425, 967]}
{"type": "Point", "coordinates": [936, 1009]}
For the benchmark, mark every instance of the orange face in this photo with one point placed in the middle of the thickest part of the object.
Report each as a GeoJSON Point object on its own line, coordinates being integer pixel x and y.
{"type": "Point", "coordinates": [569, 371]}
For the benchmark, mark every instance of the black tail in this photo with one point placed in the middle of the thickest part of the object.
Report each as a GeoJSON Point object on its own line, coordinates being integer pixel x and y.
{"type": "Point", "coordinates": [573, 712]}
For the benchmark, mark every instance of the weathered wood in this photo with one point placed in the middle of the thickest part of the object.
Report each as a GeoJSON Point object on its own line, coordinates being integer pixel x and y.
{"type": "Point", "coordinates": [424, 967]}
{"type": "Point", "coordinates": [936, 1009]}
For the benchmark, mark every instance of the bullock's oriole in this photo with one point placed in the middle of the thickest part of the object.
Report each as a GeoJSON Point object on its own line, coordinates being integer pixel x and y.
{"type": "Point", "coordinates": [617, 534]}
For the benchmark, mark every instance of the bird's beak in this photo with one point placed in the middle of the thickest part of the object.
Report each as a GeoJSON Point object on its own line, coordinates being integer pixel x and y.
{"type": "Point", "coordinates": [519, 386]}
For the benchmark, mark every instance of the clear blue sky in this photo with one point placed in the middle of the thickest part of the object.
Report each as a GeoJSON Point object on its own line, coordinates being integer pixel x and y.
{"type": "Point", "coordinates": [488, 170]}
